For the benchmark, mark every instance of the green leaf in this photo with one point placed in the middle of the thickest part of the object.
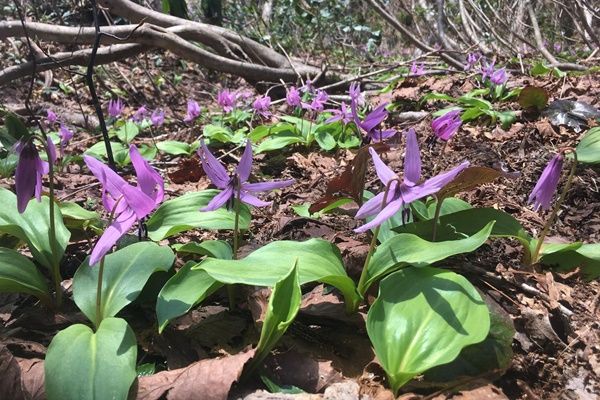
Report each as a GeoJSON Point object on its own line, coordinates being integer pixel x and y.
{"type": "Point", "coordinates": [16, 127]}
{"type": "Point", "coordinates": [283, 307]}
{"type": "Point", "coordinates": [588, 150]}
{"type": "Point", "coordinates": [276, 142]}
{"type": "Point", "coordinates": [539, 69]}
{"type": "Point", "coordinates": [19, 275]}
{"type": "Point", "coordinates": [423, 318]}
{"type": "Point", "coordinates": [219, 133]}
{"type": "Point", "coordinates": [494, 354]}
{"type": "Point", "coordinates": [126, 271]}
{"type": "Point", "coordinates": [81, 364]}
{"type": "Point", "coordinates": [318, 260]}
{"type": "Point", "coordinates": [325, 140]}
{"type": "Point", "coordinates": [32, 227]}
{"type": "Point", "coordinates": [449, 205]}
{"type": "Point", "coordinates": [467, 222]}
{"type": "Point", "coordinates": [568, 256]}
{"type": "Point", "coordinates": [128, 132]}
{"type": "Point", "coordinates": [183, 291]}
{"type": "Point", "coordinates": [174, 147]}
{"type": "Point", "coordinates": [407, 249]}
{"type": "Point", "coordinates": [507, 118]}
{"type": "Point", "coordinates": [210, 248]}
{"type": "Point", "coordinates": [98, 150]}
{"type": "Point", "coordinates": [183, 213]}
{"type": "Point", "coordinates": [77, 217]}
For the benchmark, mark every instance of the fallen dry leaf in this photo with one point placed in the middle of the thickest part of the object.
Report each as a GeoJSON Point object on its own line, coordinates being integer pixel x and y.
{"type": "Point", "coordinates": [212, 378]}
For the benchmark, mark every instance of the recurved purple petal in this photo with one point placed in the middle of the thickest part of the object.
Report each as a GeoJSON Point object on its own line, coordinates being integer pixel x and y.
{"type": "Point", "coordinates": [111, 182]}
{"type": "Point", "coordinates": [149, 181]}
{"type": "Point", "coordinates": [432, 185]}
{"type": "Point", "coordinates": [138, 201]}
{"type": "Point", "coordinates": [412, 159]}
{"type": "Point", "coordinates": [388, 212]}
{"type": "Point", "coordinates": [371, 206]}
{"type": "Point", "coordinates": [212, 167]}
{"type": "Point", "coordinates": [219, 200]}
{"type": "Point", "coordinates": [245, 166]}
{"type": "Point", "coordinates": [384, 172]}
{"type": "Point", "coordinates": [266, 186]}
{"type": "Point", "coordinates": [253, 200]}
{"type": "Point", "coordinates": [119, 227]}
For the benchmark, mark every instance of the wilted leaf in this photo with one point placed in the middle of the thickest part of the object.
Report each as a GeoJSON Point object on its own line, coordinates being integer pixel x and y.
{"type": "Point", "coordinates": [211, 378]}
{"type": "Point", "coordinates": [351, 182]}
{"type": "Point", "coordinates": [574, 114]}
{"type": "Point", "coordinates": [468, 179]}
{"type": "Point", "coordinates": [533, 97]}
{"type": "Point", "coordinates": [188, 170]}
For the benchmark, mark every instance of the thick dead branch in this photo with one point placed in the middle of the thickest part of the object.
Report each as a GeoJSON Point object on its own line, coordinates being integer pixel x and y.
{"type": "Point", "coordinates": [222, 40]}
{"type": "Point", "coordinates": [174, 39]}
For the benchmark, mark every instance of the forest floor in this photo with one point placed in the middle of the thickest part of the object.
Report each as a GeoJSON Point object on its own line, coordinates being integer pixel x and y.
{"type": "Point", "coordinates": [555, 356]}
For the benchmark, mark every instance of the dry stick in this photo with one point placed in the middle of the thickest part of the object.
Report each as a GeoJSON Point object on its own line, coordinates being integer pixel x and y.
{"type": "Point", "coordinates": [540, 44]}
{"type": "Point", "coordinates": [90, 83]}
{"type": "Point", "coordinates": [406, 32]}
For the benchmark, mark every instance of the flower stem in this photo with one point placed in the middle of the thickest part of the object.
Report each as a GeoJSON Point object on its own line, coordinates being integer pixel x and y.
{"type": "Point", "coordinates": [236, 233]}
{"type": "Point", "coordinates": [56, 277]}
{"type": "Point", "coordinates": [373, 245]}
{"type": "Point", "coordinates": [99, 294]}
{"type": "Point", "coordinates": [436, 218]}
{"type": "Point", "coordinates": [552, 217]}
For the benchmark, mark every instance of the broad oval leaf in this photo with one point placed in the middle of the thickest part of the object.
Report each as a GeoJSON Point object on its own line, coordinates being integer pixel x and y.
{"type": "Point", "coordinates": [318, 260]}
{"type": "Point", "coordinates": [183, 291]}
{"type": "Point", "coordinates": [407, 249]}
{"type": "Point", "coordinates": [422, 318]}
{"type": "Point", "coordinates": [210, 248]}
{"type": "Point", "coordinates": [588, 150]}
{"type": "Point", "coordinates": [174, 147]}
{"type": "Point", "coordinates": [32, 227]}
{"type": "Point", "coordinates": [183, 213]}
{"type": "Point", "coordinates": [126, 271]}
{"type": "Point", "coordinates": [19, 275]}
{"type": "Point", "coordinates": [81, 364]}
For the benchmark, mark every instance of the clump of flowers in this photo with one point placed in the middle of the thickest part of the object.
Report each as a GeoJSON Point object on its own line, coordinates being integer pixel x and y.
{"type": "Point", "coordinates": [126, 203]}
{"type": "Point", "coordinates": [292, 97]}
{"type": "Point", "coordinates": [372, 121]}
{"type": "Point", "coordinates": [158, 117]}
{"type": "Point", "coordinates": [417, 70]}
{"type": "Point", "coordinates": [139, 115]}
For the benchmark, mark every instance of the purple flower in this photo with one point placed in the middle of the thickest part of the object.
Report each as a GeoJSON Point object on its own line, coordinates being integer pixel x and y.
{"type": "Point", "coordinates": [447, 125]}
{"type": "Point", "coordinates": [238, 182]}
{"type": "Point", "coordinates": [226, 100]}
{"type": "Point", "coordinates": [356, 95]}
{"type": "Point", "coordinates": [472, 59]}
{"type": "Point", "coordinates": [115, 108]}
{"type": "Point", "coordinates": [193, 111]}
{"type": "Point", "coordinates": [308, 87]}
{"type": "Point", "coordinates": [140, 114]}
{"type": "Point", "coordinates": [261, 106]}
{"type": "Point", "coordinates": [372, 121]}
{"type": "Point", "coordinates": [293, 97]}
{"type": "Point", "coordinates": [318, 102]}
{"type": "Point", "coordinates": [557, 47]}
{"type": "Point", "coordinates": [51, 116]}
{"type": "Point", "coordinates": [499, 77]}
{"type": "Point", "coordinates": [400, 195]}
{"type": "Point", "coordinates": [158, 117]}
{"type": "Point", "coordinates": [127, 203]}
{"type": "Point", "coordinates": [344, 114]}
{"type": "Point", "coordinates": [30, 170]}
{"type": "Point", "coordinates": [417, 70]}
{"type": "Point", "coordinates": [65, 135]}
{"type": "Point", "coordinates": [542, 193]}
